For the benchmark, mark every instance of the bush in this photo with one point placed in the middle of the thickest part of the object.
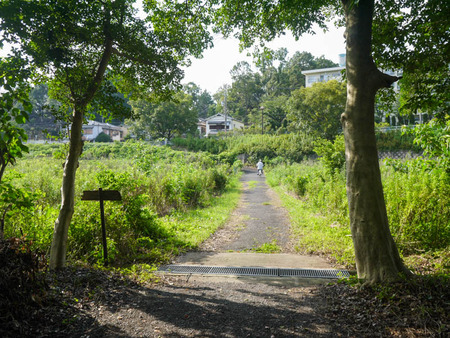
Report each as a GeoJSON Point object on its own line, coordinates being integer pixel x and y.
{"type": "Point", "coordinates": [417, 200]}
{"type": "Point", "coordinates": [434, 138]}
{"type": "Point", "coordinates": [290, 147]}
{"type": "Point", "coordinates": [332, 154]}
{"type": "Point", "coordinates": [395, 140]}
{"type": "Point", "coordinates": [154, 182]}
{"type": "Point", "coordinates": [102, 137]}
{"type": "Point", "coordinates": [211, 145]}
{"type": "Point", "coordinates": [418, 205]}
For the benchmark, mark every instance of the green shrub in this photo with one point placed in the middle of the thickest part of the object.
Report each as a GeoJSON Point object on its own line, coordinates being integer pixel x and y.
{"type": "Point", "coordinates": [417, 201]}
{"type": "Point", "coordinates": [155, 182]}
{"type": "Point", "coordinates": [45, 149]}
{"type": "Point", "coordinates": [395, 140]}
{"type": "Point", "coordinates": [210, 144]}
{"type": "Point", "coordinates": [332, 154]}
{"type": "Point", "coordinates": [434, 139]}
{"type": "Point", "coordinates": [418, 205]}
{"type": "Point", "coordinates": [300, 185]}
{"type": "Point", "coordinates": [102, 137]}
{"type": "Point", "coordinates": [220, 178]}
{"type": "Point", "coordinates": [290, 147]}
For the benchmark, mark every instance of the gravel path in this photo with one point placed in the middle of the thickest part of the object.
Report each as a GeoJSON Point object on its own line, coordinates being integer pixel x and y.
{"type": "Point", "coordinates": [265, 221]}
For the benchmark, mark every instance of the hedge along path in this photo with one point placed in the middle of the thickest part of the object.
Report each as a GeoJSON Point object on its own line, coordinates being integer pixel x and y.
{"type": "Point", "coordinates": [258, 224]}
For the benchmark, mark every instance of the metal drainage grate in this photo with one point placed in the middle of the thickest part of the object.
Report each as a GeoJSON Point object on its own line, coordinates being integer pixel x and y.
{"type": "Point", "coordinates": [253, 271]}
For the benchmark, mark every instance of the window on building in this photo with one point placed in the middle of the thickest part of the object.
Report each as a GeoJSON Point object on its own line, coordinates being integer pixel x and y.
{"type": "Point", "coordinates": [312, 79]}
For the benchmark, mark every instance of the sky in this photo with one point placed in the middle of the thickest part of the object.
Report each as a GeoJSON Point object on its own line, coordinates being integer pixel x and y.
{"type": "Point", "coordinates": [213, 70]}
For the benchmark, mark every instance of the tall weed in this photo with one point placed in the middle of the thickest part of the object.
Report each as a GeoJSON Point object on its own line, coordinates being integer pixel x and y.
{"type": "Point", "coordinates": [418, 205]}
{"type": "Point", "coordinates": [155, 182]}
{"type": "Point", "coordinates": [417, 202]}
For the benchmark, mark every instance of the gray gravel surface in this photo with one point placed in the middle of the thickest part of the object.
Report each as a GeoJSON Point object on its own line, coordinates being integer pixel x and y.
{"type": "Point", "coordinates": [265, 221]}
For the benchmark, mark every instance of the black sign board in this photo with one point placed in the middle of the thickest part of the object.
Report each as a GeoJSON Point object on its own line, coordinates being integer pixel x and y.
{"type": "Point", "coordinates": [106, 195]}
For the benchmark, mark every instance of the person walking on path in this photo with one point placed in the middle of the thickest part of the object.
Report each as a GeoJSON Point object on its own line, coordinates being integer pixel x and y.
{"type": "Point", "coordinates": [260, 166]}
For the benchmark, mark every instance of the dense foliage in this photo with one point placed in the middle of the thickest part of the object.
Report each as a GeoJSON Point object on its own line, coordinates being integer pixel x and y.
{"type": "Point", "coordinates": [270, 148]}
{"type": "Point", "coordinates": [165, 119]}
{"type": "Point", "coordinates": [160, 188]}
{"type": "Point", "coordinates": [396, 140]}
{"type": "Point", "coordinates": [292, 147]}
{"type": "Point", "coordinates": [417, 202]}
{"type": "Point", "coordinates": [14, 110]}
{"type": "Point", "coordinates": [317, 109]}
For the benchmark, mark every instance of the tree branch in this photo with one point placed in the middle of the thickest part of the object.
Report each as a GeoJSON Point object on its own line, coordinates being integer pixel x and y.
{"type": "Point", "coordinates": [96, 82]}
{"type": "Point", "coordinates": [385, 80]}
{"type": "Point", "coordinates": [146, 62]}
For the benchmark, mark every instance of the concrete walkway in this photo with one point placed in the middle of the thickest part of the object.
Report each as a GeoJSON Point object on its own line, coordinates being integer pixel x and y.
{"type": "Point", "coordinates": [259, 219]}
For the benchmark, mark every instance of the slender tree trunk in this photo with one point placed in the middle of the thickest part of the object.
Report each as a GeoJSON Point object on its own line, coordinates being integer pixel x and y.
{"type": "Point", "coordinates": [2, 164]}
{"type": "Point", "coordinates": [377, 257]}
{"type": "Point", "coordinates": [59, 242]}
{"type": "Point", "coordinates": [61, 230]}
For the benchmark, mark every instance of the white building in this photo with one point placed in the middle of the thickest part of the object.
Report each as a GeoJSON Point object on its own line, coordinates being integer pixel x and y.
{"type": "Point", "coordinates": [336, 73]}
{"type": "Point", "coordinates": [216, 124]}
{"type": "Point", "coordinates": [322, 75]}
{"type": "Point", "coordinates": [94, 128]}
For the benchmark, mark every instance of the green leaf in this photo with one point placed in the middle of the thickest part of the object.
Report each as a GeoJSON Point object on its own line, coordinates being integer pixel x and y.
{"type": "Point", "coordinates": [20, 119]}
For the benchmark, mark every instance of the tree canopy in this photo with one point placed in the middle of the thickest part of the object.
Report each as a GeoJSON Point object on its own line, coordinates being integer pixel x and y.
{"type": "Point", "coordinates": [413, 36]}
{"type": "Point", "coordinates": [268, 86]}
{"type": "Point", "coordinates": [165, 119]}
{"type": "Point", "coordinates": [14, 109]}
{"type": "Point", "coordinates": [317, 109]}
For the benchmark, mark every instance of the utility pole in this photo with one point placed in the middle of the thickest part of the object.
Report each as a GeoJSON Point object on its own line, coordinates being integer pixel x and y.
{"type": "Point", "coordinates": [225, 106]}
{"type": "Point", "coordinates": [262, 120]}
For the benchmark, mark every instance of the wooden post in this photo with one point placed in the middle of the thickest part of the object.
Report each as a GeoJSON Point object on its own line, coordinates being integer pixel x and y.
{"type": "Point", "coordinates": [102, 195]}
{"type": "Point", "coordinates": [102, 216]}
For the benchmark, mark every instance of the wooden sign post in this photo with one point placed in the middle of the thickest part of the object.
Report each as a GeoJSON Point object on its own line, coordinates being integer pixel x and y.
{"type": "Point", "coordinates": [102, 195]}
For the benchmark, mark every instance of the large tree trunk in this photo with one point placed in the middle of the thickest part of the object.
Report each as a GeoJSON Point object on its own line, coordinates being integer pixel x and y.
{"type": "Point", "coordinates": [377, 257]}
{"type": "Point", "coordinates": [61, 230]}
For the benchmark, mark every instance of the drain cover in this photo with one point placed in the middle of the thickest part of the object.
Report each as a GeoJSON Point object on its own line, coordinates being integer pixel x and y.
{"type": "Point", "coordinates": [253, 271]}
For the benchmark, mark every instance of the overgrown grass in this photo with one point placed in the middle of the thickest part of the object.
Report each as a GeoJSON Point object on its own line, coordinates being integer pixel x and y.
{"type": "Point", "coordinates": [318, 232]}
{"type": "Point", "coordinates": [171, 201]}
{"type": "Point", "coordinates": [417, 201]}
{"type": "Point", "coordinates": [195, 226]}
